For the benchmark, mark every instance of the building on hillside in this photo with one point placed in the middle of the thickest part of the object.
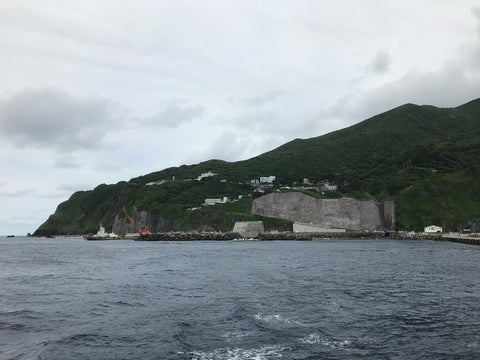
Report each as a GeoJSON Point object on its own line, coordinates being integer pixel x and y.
{"type": "Point", "coordinates": [205, 175]}
{"type": "Point", "coordinates": [267, 179]}
{"type": "Point", "coordinates": [433, 229]}
{"type": "Point", "coordinates": [328, 187]}
{"type": "Point", "coordinates": [214, 201]}
{"type": "Point", "coordinates": [159, 182]}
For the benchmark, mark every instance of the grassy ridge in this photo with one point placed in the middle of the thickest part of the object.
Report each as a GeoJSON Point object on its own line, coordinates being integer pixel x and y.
{"type": "Point", "coordinates": [423, 157]}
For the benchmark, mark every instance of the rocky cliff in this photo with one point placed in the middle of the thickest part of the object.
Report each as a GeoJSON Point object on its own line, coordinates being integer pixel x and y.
{"type": "Point", "coordinates": [122, 225]}
{"type": "Point", "coordinates": [342, 213]}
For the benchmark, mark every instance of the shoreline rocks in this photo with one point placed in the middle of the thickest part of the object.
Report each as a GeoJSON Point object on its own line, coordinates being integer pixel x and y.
{"type": "Point", "coordinates": [228, 236]}
{"type": "Point", "coordinates": [190, 236]}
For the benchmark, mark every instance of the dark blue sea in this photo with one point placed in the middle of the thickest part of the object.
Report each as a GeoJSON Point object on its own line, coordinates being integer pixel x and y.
{"type": "Point", "coordinates": [68, 298]}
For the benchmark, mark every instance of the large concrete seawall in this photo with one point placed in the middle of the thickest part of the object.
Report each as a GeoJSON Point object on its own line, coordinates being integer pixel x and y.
{"type": "Point", "coordinates": [342, 213]}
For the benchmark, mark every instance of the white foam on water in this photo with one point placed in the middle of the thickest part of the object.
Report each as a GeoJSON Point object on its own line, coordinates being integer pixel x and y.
{"type": "Point", "coordinates": [473, 345]}
{"type": "Point", "coordinates": [275, 318]}
{"type": "Point", "coordinates": [317, 338]}
{"type": "Point", "coordinates": [232, 336]}
{"type": "Point", "coordinates": [262, 353]}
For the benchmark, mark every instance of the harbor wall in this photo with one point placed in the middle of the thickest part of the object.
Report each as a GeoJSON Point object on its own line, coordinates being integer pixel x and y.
{"type": "Point", "coordinates": [312, 228]}
{"type": "Point", "coordinates": [249, 229]}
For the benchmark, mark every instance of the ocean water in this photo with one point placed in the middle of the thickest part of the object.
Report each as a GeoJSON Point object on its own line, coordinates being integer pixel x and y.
{"type": "Point", "coordinates": [67, 298]}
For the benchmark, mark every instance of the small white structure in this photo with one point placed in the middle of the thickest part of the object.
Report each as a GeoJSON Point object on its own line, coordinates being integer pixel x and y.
{"type": "Point", "coordinates": [159, 182]}
{"type": "Point", "coordinates": [267, 179]}
{"type": "Point", "coordinates": [101, 232]}
{"type": "Point", "coordinates": [329, 187]}
{"type": "Point", "coordinates": [213, 201]}
{"type": "Point", "coordinates": [205, 175]}
{"type": "Point", "coordinates": [433, 229]}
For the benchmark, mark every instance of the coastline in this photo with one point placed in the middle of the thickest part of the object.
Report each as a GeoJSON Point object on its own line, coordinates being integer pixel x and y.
{"type": "Point", "coordinates": [226, 236]}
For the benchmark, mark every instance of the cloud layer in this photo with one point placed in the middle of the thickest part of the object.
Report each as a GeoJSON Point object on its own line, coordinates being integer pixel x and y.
{"type": "Point", "coordinates": [98, 92]}
{"type": "Point", "coordinates": [52, 118]}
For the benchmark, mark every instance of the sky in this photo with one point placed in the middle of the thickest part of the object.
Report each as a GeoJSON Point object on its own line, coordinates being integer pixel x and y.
{"type": "Point", "coordinates": [95, 92]}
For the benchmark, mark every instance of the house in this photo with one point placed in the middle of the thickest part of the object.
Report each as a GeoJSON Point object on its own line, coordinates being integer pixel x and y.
{"type": "Point", "coordinates": [328, 187]}
{"type": "Point", "coordinates": [433, 229]}
{"type": "Point", "coordinates": [213, 201]}
{"type": "Point", "coordinates": [267, 179]}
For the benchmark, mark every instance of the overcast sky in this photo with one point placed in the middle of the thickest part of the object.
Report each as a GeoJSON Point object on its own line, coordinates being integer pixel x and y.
{"type": "Point", "coordinates": [97, 92]}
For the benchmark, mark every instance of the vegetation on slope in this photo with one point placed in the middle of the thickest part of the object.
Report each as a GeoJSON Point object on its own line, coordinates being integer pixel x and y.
{"type": "Point", "coordinates": [424, 158]}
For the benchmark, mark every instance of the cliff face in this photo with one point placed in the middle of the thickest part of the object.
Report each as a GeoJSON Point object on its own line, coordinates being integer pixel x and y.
{"type": "Point", "coordinates": [343, 213]}
{"type": "Point", "coordinates": [141, 218]}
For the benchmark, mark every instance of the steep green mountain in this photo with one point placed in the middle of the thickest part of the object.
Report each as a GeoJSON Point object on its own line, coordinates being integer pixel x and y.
{"type": "Point", "coordinates": [426, 159]}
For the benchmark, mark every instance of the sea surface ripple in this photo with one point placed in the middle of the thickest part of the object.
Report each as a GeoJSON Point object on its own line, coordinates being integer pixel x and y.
{"type": "Point", "coordinates": [67, 298]}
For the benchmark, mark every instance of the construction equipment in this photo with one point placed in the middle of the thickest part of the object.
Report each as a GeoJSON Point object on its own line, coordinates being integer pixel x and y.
{"type": "Point", "coordinates": [141, 232]}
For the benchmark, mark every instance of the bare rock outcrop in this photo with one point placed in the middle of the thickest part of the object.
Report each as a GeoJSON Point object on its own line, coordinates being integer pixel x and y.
{"type": "Point", "coordinates": [142, 219]}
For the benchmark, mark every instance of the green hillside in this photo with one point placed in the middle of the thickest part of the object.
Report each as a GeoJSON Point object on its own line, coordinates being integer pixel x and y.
{"type": "Point", "coordinates": [424, 158]}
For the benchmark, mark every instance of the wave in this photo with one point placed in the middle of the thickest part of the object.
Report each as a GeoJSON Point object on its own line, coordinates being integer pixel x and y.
{"type": "Point", "coordinates": [260, 353]}
{"type": "Point", "coordinates": [318, 338]}
{"type": "Point", "coordinates": [25, 314]}
{"type": "Point", "coordinates": [12, 326]}
{"type": "Point", "coordinates": [276, 319]}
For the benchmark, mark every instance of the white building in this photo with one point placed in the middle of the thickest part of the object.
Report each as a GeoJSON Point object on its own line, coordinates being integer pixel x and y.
{"type": "Point", "coordinates": [205, 175]}
{"type": "Point", "coordinates": [267, 179]}
{"type": "Point", "coordinates": [159, 182]}
{"type": "Point", "coordinates": [433, 229]}
{"type": "Point", "coordinates": [213, 201]}
{"type": "Point", "coordinates": [328, 187]}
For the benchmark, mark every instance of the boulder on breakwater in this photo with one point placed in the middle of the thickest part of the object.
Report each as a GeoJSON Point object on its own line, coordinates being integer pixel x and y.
{"type": "Point", "coordinates": [226, 236]}
{"type": "Point", "coordinates": [190, 236]}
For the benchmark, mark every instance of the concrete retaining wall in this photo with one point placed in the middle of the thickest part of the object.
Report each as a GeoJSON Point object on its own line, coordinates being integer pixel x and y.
{"type": "Point", "coordinates": [343, 213]}
{"type": "Point", "coordinates": [249, 229]}
{"type": "Point", "coordinates": [312, 228]}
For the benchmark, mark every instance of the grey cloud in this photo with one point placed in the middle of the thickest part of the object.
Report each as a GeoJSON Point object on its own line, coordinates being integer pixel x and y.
{"type": "Point", "coordinates": [16, 194]}
{"type": "Point", "coordinates": [71, 188]}
{"type": "Point", "coordinates": [55, 195]}
{"type": "Point", "coordinates": [67, 162]}
{"type": "Point", "coordinates": [238, 145]}
{"type": "Point", "coordinates": [380, 64]}
{"type": "Point", "coordinates": [51, 118]}
{"type": "Point", "coordinates": [475, 54]}
{"type": "Point", "coordinates": [175, 113]}
{"type": "Point", "coordinates": [427, 88]}
{"type": "Point", "coordinates": [261, 100]}
{"type": "Point", "coordinates": [476, 13]}
{"type": "Point", "coordinates": [109, 167]}
{"type": "Point", "coordinates": [414, 87]}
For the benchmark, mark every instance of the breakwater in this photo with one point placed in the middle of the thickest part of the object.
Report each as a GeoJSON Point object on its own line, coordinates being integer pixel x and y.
{"type": "Point", "coordinates": [190, 236]}
{"type": "Point", "coordinates": [226, 236]}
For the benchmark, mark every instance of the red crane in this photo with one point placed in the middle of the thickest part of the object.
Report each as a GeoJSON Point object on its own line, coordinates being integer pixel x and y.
{"type": "Point", "coordinates": [141, 232]}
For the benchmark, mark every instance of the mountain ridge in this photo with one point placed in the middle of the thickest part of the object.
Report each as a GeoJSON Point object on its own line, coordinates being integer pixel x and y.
{"type": "Point", "coordinates": [423, 157]}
